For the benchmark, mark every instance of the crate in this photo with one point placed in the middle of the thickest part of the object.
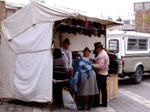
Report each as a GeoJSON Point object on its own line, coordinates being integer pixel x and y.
{"type": "Point", "coordinates": [112, 87]}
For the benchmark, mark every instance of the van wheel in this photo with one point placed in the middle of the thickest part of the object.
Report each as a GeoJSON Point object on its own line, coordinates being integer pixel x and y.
{"type": "Point", "coordinates": [137, 75]}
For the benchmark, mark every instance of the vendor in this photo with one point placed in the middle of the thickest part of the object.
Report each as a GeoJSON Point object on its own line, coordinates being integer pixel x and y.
{"type": "Point", "coordinates": [67, 57]}
{"type": "Point", "coordinates": [101, 67]}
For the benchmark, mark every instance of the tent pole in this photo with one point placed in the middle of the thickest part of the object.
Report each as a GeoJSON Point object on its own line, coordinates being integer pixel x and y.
{"type": "Point", "coordinates": [50, 106]}
{"type": "Point", "coordinates": [60, 38]}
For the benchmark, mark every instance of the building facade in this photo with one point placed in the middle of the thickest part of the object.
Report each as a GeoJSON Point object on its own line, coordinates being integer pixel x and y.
{"type": "Point", "coordinates": [142, 11]}
{"type": "Point", "coordinates": [7, 9]}
{"type": "Point", "coordinates": [2, 10]}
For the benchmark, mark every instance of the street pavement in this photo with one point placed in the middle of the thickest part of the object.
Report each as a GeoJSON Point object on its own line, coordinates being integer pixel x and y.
{"type": "Point", "coordinates": [131, 98]}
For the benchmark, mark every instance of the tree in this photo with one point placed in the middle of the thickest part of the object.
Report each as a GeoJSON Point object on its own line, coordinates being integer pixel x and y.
{"type": "Point", "coordinates": [147, 19]}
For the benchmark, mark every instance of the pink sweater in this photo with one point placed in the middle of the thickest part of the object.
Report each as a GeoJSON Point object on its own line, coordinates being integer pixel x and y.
{"type": "Point", "coordinates": [102, 63]}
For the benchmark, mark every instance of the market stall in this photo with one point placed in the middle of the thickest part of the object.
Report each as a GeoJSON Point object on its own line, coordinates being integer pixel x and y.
{"type": "Point", "coordinates": [28, 37]}
{"type": "Point", "coordinates": [84, 33]}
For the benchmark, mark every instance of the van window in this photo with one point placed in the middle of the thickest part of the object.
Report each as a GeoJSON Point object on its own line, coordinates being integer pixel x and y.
{"type": "Point", "coordinates": [137, 44]}
{"type": "Point", "coordinates": [114, 45]}
{"type": "Point", "coordinates": [132, 44]}
{"type": "Point", "coordinates": [143, 44]}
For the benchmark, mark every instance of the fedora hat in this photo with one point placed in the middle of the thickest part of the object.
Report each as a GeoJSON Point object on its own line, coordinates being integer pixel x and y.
{"type": "Point", "coordinates": [67, 41]}
{"type": "Point", "coordinates": [97, 45]}
{"type": "Point", "coordinates": [75, 54]}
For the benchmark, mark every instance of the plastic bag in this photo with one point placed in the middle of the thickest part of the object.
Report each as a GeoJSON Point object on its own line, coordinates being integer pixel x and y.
{"type": "Point", "coordinates": [68, 100]}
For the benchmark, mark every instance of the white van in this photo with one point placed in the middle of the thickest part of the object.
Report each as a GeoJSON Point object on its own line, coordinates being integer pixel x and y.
{"type": "Point", "coordinates": [134, 51]}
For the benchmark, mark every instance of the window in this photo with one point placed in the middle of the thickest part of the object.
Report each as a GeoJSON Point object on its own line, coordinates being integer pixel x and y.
{"type": "Point", "coordinates": [138, 6]}
{"type": "Point", "coordinates": [147, 5]}
{"type": "Point", "coordinates": [114, 45]}
{"type": "Point", "coordinates": [137, 44]}
{"type": "Point", "coordinates": [143, 44]}
{"type": "Point", "coordinates": [132, 44]}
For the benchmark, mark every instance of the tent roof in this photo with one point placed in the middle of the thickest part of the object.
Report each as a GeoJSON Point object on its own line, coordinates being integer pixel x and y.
{"type": "Point", "coordinates": [35, 13]}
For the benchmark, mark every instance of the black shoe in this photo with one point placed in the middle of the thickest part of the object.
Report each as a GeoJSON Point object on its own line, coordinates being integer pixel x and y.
{"type": "Point", "coordinates": [103, 105]}
{"type": "Point", "coordinates": [96, 105]}
{"type": "Point", "coordinates": [81, 108]}
{"type": "Point", "coordinates": [89, 107]}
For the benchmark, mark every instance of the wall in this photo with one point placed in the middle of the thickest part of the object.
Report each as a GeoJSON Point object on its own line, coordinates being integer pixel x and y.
{"type": "Point", "coordinates": [6, 10]}
{"type": "Point", "coordinates": [142, 10]}
{"type": "Point", "coordinates": [3, 13]}
{"type": "Point", "coordinates": [79, 42]}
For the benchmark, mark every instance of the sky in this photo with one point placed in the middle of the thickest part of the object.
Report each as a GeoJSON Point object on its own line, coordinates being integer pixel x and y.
{"type": "Point", "coordinates": [98, 8]}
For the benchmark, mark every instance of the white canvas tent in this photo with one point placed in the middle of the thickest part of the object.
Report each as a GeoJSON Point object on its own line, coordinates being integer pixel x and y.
{"type": "Point", "coordinates": [26, 55]}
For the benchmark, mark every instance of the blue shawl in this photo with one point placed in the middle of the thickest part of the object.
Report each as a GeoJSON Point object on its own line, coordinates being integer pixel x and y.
{"type": "Point", "coordinates": [82, 71]}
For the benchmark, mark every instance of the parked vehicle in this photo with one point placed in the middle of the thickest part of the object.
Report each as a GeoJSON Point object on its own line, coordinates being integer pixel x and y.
{"type": "Point", "coordinates": [133, 49]}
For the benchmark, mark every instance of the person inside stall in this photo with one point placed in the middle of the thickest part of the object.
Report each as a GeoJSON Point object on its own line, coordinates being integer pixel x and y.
{"type": "Point", "coordinates": [86, 54]}
{"type": "Point", "coordinates": [84, 80]}
{"type": "Point", "coordinates": [76, 56]}
{"type": "Point", "coordinates": [101, 67]}
{"type": "Point", "coordinates": [67, 57]}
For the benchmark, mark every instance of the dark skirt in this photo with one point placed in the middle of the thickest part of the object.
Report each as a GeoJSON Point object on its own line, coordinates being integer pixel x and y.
{"type": "Point", "coordinates": [89, 87]}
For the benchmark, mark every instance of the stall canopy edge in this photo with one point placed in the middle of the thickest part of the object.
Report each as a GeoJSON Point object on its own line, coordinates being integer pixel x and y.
{"type": "Point", "coordinates": [33, 13]}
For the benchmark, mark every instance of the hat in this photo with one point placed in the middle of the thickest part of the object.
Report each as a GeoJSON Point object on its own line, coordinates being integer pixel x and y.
{"type": "Point", "coordinates": [68, 29]}
{"type": "Point", "coordinates": [97, 45]}
{"type": "Point", "coordinates": [75, 54]}
{"type": "Point", "coordinates": [61, 28]}
{"type": "Point", "coordinates": [74, 30]}
{"type": "Point", "coordinates": [99, 33]}
{"type": "Point", "coordinates": [74, 22]}
{"type": "Point", "coordinates": [67, 41]}
{"type": "Point", "coordinates": [89, 32]}
{"type": "Point", "coordinates": [79, 30]}
{"type": "Point", "coordinates": [94, 32]}
{"type": "Point", "coordinates": [87, 49]}
{"type": "Point", "coordinates": [85, 31]}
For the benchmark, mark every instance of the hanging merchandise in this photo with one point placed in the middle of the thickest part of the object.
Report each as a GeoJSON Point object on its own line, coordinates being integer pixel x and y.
{"type": "Point", "coordinates": [97, 25]}
{"type": "Point", "coordinates": [85, 31]}
{"type": "Point", "coordinates": [94, 32]}
{"type": "Point", "coordinates": [87, 25]}
{"type": "Point", "coordinates": [99, 33]}
{"type": "Point", "coordinates": [79, 30]}
{"type": "Point", "coordinates": [89, 32]}
{"type": "Point", "coordinates": [90, 24]}
{"type": "Point", "coordinates": [68, 29]}
{"type": "Point", "coordinates": [62, 28]}
{"type": "Point", "coordinates": [74, 22]}
{"type": "Point", "coordinates": [81, 23]}
{"type": "Point", "coordinates": [74, 30]}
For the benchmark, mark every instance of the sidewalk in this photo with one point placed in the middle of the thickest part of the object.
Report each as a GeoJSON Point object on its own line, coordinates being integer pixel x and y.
{"type": "Point", "coordinates": [19, 106]}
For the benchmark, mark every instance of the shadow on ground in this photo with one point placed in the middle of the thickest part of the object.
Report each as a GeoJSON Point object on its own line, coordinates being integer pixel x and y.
{"type": "Point", "coordinates": [127, 81]}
